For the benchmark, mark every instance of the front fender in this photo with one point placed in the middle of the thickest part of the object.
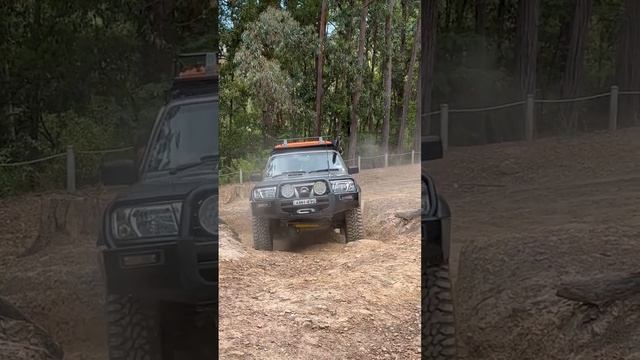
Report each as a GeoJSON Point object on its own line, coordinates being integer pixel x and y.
{"type": "Point", "coordinates": [444, 213]}
{"type": "Point", "coordinates": [436, 229]}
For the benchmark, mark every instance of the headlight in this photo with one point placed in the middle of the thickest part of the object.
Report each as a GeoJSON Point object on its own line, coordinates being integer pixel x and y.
{"type": "Point", "coordinates": [208, 214]}
{"type": "Point", "coordinates": [343, 186]}
{"type": "Point", "coordinates": [426, 203]}
{"type": "Point", "coordinates": [264, 193]}
{"type": "Point", "coordinates": [319, 188]}
{"type": "Point", "coordinates": [287, 190]}
{"type": "Point", "coordinates": [146, 221]}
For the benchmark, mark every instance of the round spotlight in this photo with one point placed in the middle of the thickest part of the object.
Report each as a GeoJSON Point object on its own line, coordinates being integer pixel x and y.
{"type": "Point", "coordinates": [320, 188]}
{"type": "Point", "coordinates": [208, 214]}
{"type": "Point", "coordinates": [287, 190]}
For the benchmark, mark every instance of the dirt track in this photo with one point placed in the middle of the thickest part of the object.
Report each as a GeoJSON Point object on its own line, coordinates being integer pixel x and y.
{"type": "Point", "coordinates": [527, 217]}
{"type": "Point", "coordinates": [322, 299]}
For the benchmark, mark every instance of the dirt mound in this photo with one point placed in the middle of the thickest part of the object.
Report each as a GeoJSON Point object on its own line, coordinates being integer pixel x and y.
{"type": "Point", "coordinates": [566, 211]}
{"type": "Point", "coordinates": [57, 284]}
{"type": "Point", "coordinates": [230, 246]}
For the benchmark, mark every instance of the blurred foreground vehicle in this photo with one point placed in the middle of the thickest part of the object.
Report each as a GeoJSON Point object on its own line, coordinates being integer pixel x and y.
{"type": "Point", "coordinates": [438, 328]}
{"type": "Point", "coordinates": [159, 238]}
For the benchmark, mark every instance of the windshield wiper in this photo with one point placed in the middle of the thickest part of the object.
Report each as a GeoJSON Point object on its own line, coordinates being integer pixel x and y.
{"type": "Point", "coordinates": [321, 170]}
{"type": "Point", "coordinates": [203, 160]}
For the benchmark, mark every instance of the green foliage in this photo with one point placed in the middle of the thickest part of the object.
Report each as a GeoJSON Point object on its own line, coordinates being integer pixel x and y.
{"type": "Point", "coordinates": [268, 82]}
{"type": "Point", "coordinates": [91, 74]}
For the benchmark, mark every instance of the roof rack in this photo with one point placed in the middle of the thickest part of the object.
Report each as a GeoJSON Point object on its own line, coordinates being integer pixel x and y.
{"type": "Point", "coordinates": [293, 143]}
{"type": "Point", "coordinates": [195, 75]}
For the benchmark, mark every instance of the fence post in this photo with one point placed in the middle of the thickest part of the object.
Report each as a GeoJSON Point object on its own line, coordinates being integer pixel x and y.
{"type": "Point", "coordinates": [529, 118]}
{"type": "Point", "coordinates": [240, 176]}
{"type": "Point", "coordinates": [386, 159]}
{"type": "Point", "coordinates": [444, 126]}
{"type": "Point", "coordinates": [71, 169]}
{"type": "Point", "coordinates": [613, 109]}
{"type": "Point", "coordinates": [359, 162]}
{"type": "Point", "coordinates": [413, 155]}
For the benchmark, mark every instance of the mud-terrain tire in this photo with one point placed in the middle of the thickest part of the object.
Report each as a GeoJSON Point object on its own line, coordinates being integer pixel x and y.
{"type": "Point", "coordinates": [133, 329]}
{"type": "Point", "coordinates": [353, 229]}
{"type": "Point", "coordinates": [439, 330]}
{"type": "Point", "coordinates": [262, 237]}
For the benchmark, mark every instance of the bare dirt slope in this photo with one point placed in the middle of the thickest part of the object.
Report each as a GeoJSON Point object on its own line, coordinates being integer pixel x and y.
{"type": "Point", "coordinates": [528, 217]}
{"type": "Point", "coordinates": [324, 300]}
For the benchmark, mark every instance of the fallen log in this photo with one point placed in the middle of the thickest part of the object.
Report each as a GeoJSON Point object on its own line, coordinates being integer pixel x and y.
{"type": "Point", "coordinates": [601, 290]}
{"type": "Point", "coordinates": [408, 215]}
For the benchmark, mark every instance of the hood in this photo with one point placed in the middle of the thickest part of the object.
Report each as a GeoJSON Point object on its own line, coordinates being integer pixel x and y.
{"type": "Point", "coordinates": [168, 186]}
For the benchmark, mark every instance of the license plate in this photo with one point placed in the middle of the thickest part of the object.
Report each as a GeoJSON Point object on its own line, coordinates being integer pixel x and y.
{"type": "Point", "coordinates": [304, 202]}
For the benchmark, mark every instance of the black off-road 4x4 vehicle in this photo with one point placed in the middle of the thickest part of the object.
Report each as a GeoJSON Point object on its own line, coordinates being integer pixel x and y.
{"type": "Point", "coordinates": [305, 186]}
{"type": "Point", "coordinates": [159, 239]}
{"type": "Point", "coordinates": [438, 327]}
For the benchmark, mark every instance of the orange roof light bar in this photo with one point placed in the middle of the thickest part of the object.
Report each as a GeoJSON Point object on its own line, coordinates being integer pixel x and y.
{"type": "Point", "coordinates": [301, 143]}
{"type": "Point", "coordinates": [195, 66]}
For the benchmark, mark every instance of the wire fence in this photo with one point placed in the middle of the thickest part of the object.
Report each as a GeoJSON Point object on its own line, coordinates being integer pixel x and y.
{"type": "Point", "coordinates": [362, 162]}
{"type": "Point", "coordinates": [530, 117]}
{"type": "Point", "coordinates": [382, 160]}
{"type": "Point", "coordinates": [71, 156]}
{"type": "Point", "coordinates": [71, 162]}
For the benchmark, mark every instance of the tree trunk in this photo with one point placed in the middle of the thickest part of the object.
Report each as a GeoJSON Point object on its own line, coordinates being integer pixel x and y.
{"type": "Point", "coordinates": [388, 41]}
{"type": "Point", "coordinates": [481, 17]}
{"type": "Point", "coordinates": [418, 129]}
{"type": "Point", "coordinates": [357, 90]}
{"type": "Point", "coordinates": [527, 46]}
{"type": "Point", "coordinates": [400, 67]}
{"type": "Point", "coordinates": [526, 55]}
{"type": "Point", "coordinates": [574, 66]}
{"type": "Point", "coordinates": [429, 26]}
{"type": "Point", "coordinates": [628, 62]}
{"type": "Point", "coordinates": [371, 116]}
{"type": "Point", "coordinates": [267, 123]}
{"type": "Point", "coordinates": [324, 11]}
{"type": "Point", "coordinates": [460, 23]}
{"type": "Point", "coordinates": [408, 82]}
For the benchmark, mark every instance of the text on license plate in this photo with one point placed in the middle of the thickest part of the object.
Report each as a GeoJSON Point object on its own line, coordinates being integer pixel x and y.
{"type": "Point", "coordinates": [304, 202]}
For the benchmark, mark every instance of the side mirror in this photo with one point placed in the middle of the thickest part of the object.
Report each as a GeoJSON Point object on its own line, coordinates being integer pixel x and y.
{"type": "Point", "coordinates": [353, 170]}
{"type": "Point", "coordinates": [255, 177]}
{"type": "Point", "coordinates": [119, 172]}
{"type": "Point", "coordinates": [431, 148]}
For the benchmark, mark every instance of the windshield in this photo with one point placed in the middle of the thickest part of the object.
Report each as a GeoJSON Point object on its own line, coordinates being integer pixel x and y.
{"type": "Point", "coordinates": [186, 134]}
{"type": "Point", "coordinates": [305, 162]}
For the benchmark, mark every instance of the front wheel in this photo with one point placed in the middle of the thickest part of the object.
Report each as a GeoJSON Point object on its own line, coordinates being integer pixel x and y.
{"type": "Point", "coordinates": [439, 331]}
{"type": "Point", "coordinates": [353, 225]}
{"type": "Point", "coordinates": [262, 237]}
{"type": "Point", "coordinates": [133, 328]}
